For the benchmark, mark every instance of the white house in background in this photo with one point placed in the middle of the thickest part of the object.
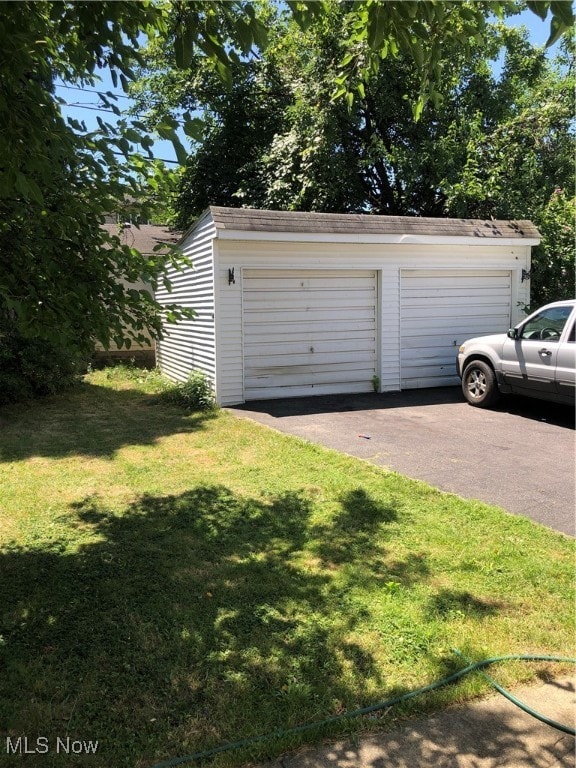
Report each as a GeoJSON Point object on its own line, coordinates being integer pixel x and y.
{"type": "Point", "coordinates": [143, 237]}
{"type": "Point", "coordinates": [292, 304]}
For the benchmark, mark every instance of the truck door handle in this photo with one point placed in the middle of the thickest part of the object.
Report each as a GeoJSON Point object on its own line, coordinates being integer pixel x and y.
{"type": "Point", "coordinates": [544, 352]}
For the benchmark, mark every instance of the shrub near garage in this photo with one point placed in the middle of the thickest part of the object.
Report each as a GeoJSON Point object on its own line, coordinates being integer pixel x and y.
{"type": "Point", "coordinates": [194, 394]}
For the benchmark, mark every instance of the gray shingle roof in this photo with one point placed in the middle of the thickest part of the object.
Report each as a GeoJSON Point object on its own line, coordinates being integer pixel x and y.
{"type": "Point", "coordinates": [254, 220]}
{"type": "Point", "coordinates": [143, 237]}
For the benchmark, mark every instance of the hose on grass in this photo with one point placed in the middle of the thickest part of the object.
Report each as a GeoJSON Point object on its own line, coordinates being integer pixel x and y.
{"type": "Point", "coordinates": [471, 667]}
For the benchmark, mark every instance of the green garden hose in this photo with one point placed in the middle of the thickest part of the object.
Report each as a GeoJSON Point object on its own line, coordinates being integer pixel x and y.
{"type": "Point", "coordinates": [471, 667]}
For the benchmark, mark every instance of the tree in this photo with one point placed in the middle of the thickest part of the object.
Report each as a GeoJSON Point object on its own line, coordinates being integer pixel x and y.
{"type": "Point", "coordinates": [60, 272]}
{"type": "Point", "coordinates": [59, 276]}
{"type": "Point", "coordinates": [521, 166]}
{"type": "Point", "coordinates": [494, 146]}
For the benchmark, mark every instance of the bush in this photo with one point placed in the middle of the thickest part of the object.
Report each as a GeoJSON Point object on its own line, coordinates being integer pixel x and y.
{"type": "Point", "coordinates": [32, 367]}
{"type": "Point", "coordinates": [194, 394]}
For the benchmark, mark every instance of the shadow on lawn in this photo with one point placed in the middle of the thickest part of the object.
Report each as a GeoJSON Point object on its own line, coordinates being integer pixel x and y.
{"type": "Point", "coordinates": [90, 420]}
{"type": "Point", "coordinates": [188, 621]}
{"type": "Point", "coordinates": [185, 622]}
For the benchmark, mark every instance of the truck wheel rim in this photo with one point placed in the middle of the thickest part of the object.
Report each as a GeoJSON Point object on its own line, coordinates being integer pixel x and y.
{"type": "Point", "coordinates": [477, 384]}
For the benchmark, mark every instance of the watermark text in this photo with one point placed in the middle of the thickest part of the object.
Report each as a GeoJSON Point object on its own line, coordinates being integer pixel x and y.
{"type": "Point", "coordinates": [43, 745]}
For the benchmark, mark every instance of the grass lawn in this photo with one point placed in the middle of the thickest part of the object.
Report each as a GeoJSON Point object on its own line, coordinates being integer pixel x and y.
{"type": "Point", "coordinates": [173, 581]}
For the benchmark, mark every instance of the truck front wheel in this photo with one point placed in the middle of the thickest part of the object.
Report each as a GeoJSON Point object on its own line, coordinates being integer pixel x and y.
{"type": "Point", "coordinates": [479, 384]}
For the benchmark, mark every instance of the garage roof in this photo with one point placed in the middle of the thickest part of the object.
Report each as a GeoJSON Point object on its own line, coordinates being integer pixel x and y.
{"type": "Point", "coordinates": [254, 220]}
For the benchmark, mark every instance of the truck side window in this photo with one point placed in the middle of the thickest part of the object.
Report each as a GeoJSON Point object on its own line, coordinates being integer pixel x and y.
{"type": "Point", "coordinates": [548, 324]}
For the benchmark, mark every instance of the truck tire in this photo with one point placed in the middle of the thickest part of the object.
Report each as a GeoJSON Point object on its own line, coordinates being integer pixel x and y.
{"type": "Point", "coordinates": [479, 384]}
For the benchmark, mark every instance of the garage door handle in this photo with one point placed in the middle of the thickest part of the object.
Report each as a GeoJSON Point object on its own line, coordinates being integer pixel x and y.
{"type": "Point", "coordinates": [544, 352]}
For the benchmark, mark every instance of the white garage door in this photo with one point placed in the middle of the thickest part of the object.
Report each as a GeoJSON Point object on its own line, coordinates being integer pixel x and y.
{"type": "Point", "coordinates": [441, 309]}
{"type": "Point", "coordinates": [309, 332]}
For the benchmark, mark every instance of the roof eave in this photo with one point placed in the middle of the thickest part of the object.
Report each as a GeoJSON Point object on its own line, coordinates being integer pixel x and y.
{"type": "Point", "coordinates": [397, 239]}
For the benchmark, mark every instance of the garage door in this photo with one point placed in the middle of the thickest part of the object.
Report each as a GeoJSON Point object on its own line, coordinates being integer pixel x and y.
{"type": "Point", "coordinates": [308, 332]}
{"type": "Point", "coordinates": [441, 309]}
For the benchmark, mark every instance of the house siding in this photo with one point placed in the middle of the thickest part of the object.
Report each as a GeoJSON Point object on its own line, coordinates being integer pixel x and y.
{"type": "Point", "coordinates": [190, 344]}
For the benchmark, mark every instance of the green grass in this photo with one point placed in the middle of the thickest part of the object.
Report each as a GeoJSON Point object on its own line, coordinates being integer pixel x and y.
{"type": "Point", "coordinates": [173, 581]}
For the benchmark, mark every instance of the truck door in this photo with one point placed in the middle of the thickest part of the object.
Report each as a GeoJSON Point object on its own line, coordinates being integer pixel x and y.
{"type": "Point", "coordinates": [529, 361]}
{"type": "Point", "coordinates": [566, 364]}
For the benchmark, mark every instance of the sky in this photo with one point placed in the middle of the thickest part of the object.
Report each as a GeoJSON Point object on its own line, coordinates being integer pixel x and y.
{"type": "Point", "coordinates": [83, 105]}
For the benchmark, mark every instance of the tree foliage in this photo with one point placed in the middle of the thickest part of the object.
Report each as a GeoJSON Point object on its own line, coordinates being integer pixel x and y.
{"type": "Point", "coordinates": [496, 145]}
{"type": "Point", "coordinates": [60, 271]}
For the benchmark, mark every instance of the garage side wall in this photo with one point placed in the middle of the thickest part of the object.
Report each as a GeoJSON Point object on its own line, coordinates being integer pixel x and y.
{"type": "Point", "coordinates": [191, 344]}
{"type": "Point", "coordinates": [388, 260]}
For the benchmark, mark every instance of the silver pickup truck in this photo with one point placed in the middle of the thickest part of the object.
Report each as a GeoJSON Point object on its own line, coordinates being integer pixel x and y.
{"type": "Point", "coordinates": [537, 358]}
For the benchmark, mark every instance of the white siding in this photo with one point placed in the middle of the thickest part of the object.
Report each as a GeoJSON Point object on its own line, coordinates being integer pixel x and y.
{"type": "Point", "coordinates": [308, 332]}
{"type": "Point", "coordinates": [222, 343]}
{"type": "Point", "coordinates": [229, 341]}
{"type": "Point", "coordinates": [440, 309]}
{"type": "Point", "coordinates": [386, 259]}
{"type": "Point", "coordinates": [190, 344]}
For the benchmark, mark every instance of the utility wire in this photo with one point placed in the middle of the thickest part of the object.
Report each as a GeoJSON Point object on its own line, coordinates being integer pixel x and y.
{"type": "Point", "coordinates": [151, 159]}
{"type": "Point", "coordinates": [97, 109]}
{"type": "Point", "coordinates": [93, 107]}
{"type": "Point", "coordinates": [89, 90]}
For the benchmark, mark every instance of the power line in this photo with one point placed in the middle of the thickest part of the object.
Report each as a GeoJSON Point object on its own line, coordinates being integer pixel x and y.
{"type": "Point", "coordinates": [162, 159]}
{"type": "Point", "coordinates": [92, 106]}
{"type": "Point", "coordinates": [88, 90]}
{"type": "Point", "coordinates": [110, 111]}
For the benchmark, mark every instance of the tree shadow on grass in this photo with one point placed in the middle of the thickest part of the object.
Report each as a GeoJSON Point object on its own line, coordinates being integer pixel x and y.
{"type": "Point", "coordinates": [448, 603]}
{"type": "Point", "coordinates": [90, 421]}
{"type": "Point", "coordinates": [187, 622]}
{"type": "Point", "coordinates": [148, 635]}
{"type": "Point", "coordinates": [357, 530]}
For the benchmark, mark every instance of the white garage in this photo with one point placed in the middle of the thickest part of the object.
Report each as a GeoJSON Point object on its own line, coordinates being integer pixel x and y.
{"type": "Point", "coordinates": [291, 304]}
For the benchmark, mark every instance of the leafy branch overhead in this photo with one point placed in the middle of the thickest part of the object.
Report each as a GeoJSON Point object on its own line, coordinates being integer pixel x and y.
{"type": "Point", "coordinates": [374, 30]}
{"type": "Point", "coordinates": [498, 144]}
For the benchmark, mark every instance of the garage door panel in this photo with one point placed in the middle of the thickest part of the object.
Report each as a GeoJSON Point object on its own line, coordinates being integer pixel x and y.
{"type": "Point", "coordinates": [441, 309]}
{"type": "Point", "coordinates": [299, 275]}
{"type": "Point", "coordinates": [309, 301]}
{"type": "Point", "coordinates": [308, 332]}
{"type": "Point", "coordinates": [455, 292]}
{"type": "Point", "coordinates": [299, 376]}
{"type": "Point", "coordinates": [413, 306]}
{"type": "Point", "coordinates": [446, 325]}
{"type": "Point", "coordinates": [296, 284]}
{"type": "Point", "coordinates": [413, 347]}
{"type": "Point", "coordinates": [314, 359]}
{"type": "Point", "coordinates": [291, 347]}
{"type": "Point", "coordinates": [309, 316]}
{"type": "Point", "coordinates": [339, 388]}
{"type": "Point", "coordinates": [452, 277]}
{"type": "Point", "coordinates": [437, 356]}
{"type": "Point", "coordinates": [338, 330]}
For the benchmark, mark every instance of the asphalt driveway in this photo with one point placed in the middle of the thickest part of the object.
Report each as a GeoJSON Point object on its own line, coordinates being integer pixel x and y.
{"type": "Point", "coordinates": [519, 456]}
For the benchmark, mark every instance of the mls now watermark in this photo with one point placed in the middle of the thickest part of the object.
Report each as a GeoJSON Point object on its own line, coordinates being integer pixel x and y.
{"type": "Point", "coordinates": [43, 745]}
